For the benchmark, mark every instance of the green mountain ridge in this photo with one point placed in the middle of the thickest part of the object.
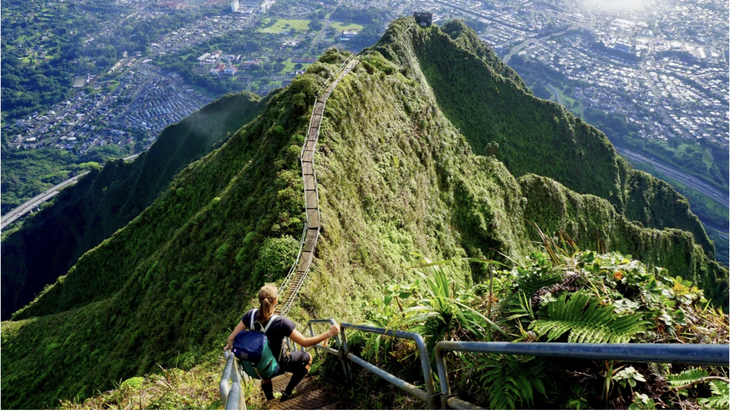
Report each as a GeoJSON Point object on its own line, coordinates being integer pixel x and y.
{"type": "Point", "coordinates": [82, 216]}
{"type": "Point", "coordinates": [396, 177]}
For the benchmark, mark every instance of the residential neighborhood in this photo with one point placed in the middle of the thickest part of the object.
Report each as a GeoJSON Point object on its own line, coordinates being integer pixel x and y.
{"type": "Point", "coordinates": [669, 80]}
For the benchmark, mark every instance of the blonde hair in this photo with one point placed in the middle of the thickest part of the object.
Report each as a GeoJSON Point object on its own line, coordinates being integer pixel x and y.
{"type": "Point", "coordinates": [267, 295]}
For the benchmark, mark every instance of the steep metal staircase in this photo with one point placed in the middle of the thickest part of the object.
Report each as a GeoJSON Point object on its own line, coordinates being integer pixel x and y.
{"type": "Point", "coordinates": [300, 269]}
{"type": "Point", "coordinates": [309, 396]}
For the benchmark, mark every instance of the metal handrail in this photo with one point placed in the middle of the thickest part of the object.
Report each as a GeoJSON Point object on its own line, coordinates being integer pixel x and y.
{"type": "Point", "coordinates": [428, 396]}
{"type": "Point", "coordinates": [338, 352]}
{"type": "Point", "coordinates": [232, 393]}
{"type": "Point", "coordinates": [292, 275]}
{"type": "Point", "coordinates": [336, 72]}
{"type": "Point", "coordinates": [697, 354]}
{"type": "Point", "coordinates": [292, 270]}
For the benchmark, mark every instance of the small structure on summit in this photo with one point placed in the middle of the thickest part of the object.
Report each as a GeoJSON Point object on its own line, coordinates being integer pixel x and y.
{"type": "Point", "coordinates": [423, 19]}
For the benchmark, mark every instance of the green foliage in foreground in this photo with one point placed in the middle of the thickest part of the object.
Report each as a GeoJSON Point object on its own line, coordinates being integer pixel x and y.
{"type": "Point", "coordinates": [395, 177]}
{"type": "Point", "coordinates": [167, 389]}
{"type": "Point", "coordinates": [581, 296]}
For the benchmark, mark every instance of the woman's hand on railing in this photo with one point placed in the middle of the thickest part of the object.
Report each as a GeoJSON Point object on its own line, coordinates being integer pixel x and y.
{"type": "Point", "coordinates": [227, 347]}
{"type": "Point", "coordinates": [334, 330]}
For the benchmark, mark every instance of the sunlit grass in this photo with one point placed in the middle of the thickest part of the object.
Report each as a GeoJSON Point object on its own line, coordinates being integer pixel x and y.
{"type": "Point", "coordinates": [284, 25]}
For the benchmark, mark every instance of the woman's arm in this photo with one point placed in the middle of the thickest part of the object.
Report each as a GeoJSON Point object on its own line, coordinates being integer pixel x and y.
{"type": "Point", "coordinates": [305, 342]}
{"type": "Point", "coordinates": [240, 327]}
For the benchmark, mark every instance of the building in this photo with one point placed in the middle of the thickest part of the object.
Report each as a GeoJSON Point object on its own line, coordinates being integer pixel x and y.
{"type": "Point", "coordinates": [265, 6]}
{"type": "Point", "coordinates": [235, 6]}
{"type": "Point", "coordinates": [423, 19]}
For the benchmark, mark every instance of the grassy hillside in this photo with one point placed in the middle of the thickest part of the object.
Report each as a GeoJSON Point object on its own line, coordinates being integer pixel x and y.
{"type": "Point", "coordinates": [395, 177]}
{"type": "Point", "coordinates": [481, 97]}
{"type": "Point", "coordinates": [593, 223]}
{"type": "Point", "coordinates": [86, 214]}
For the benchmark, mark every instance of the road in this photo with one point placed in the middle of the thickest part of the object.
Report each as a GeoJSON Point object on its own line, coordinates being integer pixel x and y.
{"type": "Point", "coordinates": [34, 202]}
{"type": "Point", "coordinates": [531, 40]}
{"type": "Point", "coordinates": [557, 95]}
{"type": "Point", "coordinates": [323, 31]}
{"type": "Point", "coordinates": [693, 182]}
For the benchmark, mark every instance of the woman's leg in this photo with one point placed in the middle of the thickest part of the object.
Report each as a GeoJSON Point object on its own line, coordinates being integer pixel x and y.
{"type": "Point", "coordinates": [298, 363]}
{"type": "Point", "coordinates": [268, 388]}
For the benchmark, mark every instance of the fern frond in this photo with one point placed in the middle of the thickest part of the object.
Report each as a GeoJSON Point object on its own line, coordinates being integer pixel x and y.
{"type": "Point", "coordinates": [587, 321]}
{"type": "Point", "coordinates": [686, 377]}
{"type": "Point", "coordinates": [536, 283]}
{"type": "Point", "coordinates": [510, 381]}
{"type": "Point", "coordinates": [720, 399]}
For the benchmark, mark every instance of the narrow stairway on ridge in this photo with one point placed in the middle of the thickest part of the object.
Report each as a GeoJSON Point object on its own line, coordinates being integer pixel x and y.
{"type": "Point", "coordinates": [310, 395]}
{"type": "Point", "coordinates": [299, 270]}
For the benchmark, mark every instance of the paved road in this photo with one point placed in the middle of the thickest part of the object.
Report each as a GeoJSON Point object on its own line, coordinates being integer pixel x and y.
{"type": "Point", "coordinates": [324, 29]}
{"type": "Point", "coordinates": [36, 201]}
{"type": "Point", "coordinates": [557, 95]}
{"type": "Point", "coordinates": [693, 182]}
{"type": "Point", "coordinates": [43, 197]}
{"type": "Point", "coordinates": [522, 45]}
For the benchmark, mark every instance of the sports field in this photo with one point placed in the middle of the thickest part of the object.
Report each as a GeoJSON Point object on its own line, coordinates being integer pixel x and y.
{"type": "Point", "coordinates": [342, 26]}
{"type": "Point", "coordinates": [285, 25]}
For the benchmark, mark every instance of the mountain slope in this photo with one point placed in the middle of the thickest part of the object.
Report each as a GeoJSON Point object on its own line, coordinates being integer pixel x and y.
{"type": "Point", "coordinates": [537, 136]}
{"type": "Point", "coordinates": [82, 216]}
{"type": "Point", "coordinates": [396, 177]}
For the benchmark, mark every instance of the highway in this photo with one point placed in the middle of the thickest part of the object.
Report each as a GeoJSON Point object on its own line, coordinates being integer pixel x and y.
{"type": "Point", "coordinates": [557, 95]}
{"type": "Point", "coordinates": [693, 182]}
{"type": "Point", "coordinates": [531, 40]}
{"type": "Point", "coordinates": [321, 33]}
{"type": "Point", "coordinates": [43, 197]}
{"type": "Point", "coordinates": [36, 201]}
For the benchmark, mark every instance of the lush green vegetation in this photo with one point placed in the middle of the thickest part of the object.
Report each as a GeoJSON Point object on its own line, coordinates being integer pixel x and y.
{"type": "Point", "coordinates": [703, 159]}
{"type": "Point", "coordinates": [27, 173]}
{"type": "Point", "coordinates": [168, 389]}
{"type": "Point", "coordinates": [559, 294]}
{"type": "Point", "coordinates": [82, 216]}
{"type": "Point", "coordinates": [536, 136]}
{"type": "Point", "coordinates": [395, 177]}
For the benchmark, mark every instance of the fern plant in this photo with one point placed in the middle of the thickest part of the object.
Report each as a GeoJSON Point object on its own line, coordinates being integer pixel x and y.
{"type": "Point", "coordinates": [511, 381]}
{"type": "Point", "coordinates": [720, 399]}
{"type": "Point", "coordinates": [587, 321]}
{"type": "Point", "coordinates": [686, 377]}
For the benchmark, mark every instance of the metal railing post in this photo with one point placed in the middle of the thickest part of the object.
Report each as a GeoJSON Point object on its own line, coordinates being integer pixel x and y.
{"type": "Point", "coordinates": [429, 395]}
{"type": "Point", "coordinates": [427, 374]}
{"type": "Point", "coordinates": [224, 385]}
{"type": "Point", "coordinates": [443, 376]}
{"type": "Point", "coordinates": [344, 352]}
{"type": "Point", "coordinates": [330, 350]}
{"type": "Point", "coordinates": [311, 334]}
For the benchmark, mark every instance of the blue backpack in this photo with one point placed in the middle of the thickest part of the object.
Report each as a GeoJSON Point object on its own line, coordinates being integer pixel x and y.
{"type": "Point", "coordinates": [252, 349]}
